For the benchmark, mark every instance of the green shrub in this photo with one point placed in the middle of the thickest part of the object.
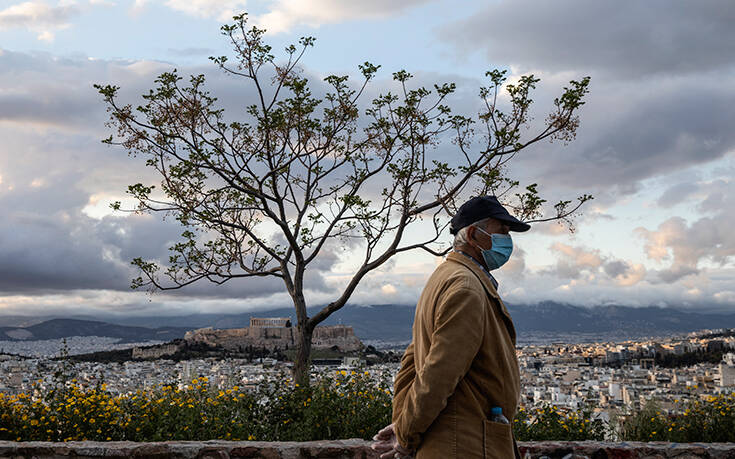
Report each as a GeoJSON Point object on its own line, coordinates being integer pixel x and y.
{"type": "Point", "coordinates": [345, 405]}
{"type": "Point", "coordinates": [550, 423]}
{"type": "Point", "coordinates": [708, 420]}
{"type": "Point", "coordinates": [336, 405]}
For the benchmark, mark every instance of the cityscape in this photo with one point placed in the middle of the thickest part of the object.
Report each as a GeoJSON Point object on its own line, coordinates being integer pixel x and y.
{"type": "Point", "coordinates": [609, 378]}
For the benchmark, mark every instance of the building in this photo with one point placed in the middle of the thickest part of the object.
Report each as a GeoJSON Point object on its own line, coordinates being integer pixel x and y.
{"type": "Point", "coordinates": [276, 322]}
{"type": "Point", "coordinates": [727, 375]}
{"type": "Point", "coordinates": [274, 333]}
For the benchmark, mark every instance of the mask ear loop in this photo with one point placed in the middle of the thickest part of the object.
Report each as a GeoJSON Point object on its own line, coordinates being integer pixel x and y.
{"type": "Point", "coordinates": [486, 233]}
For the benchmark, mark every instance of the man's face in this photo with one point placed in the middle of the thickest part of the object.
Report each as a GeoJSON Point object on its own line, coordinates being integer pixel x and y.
{"type": "Point", "coordinates": [491, 226]}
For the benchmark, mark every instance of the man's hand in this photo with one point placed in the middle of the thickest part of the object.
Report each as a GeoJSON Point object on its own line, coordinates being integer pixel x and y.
{"type": "Point", "coordinates": [387, 445]}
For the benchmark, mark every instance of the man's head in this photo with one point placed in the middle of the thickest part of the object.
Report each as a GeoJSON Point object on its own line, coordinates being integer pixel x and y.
{"type": "Point", "coordinates": [477, 220]}
{"type": "Point", "coordinates": [483, 207]}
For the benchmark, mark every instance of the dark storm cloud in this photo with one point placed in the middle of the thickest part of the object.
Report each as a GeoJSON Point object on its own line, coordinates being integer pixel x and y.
{"type": "Point", "coordinates": [48, 245]}
{"type": "Point", "coordinates": [631, 131]}
{"type": "Point", "coordinates": [627, 38]}
{"type": "Point", "coordinates": [663, 83]}
{"type": "Point", "coordinates": [43, 88]}
{"type": "Point", "coordinates": [52, 166]}
{"type": "Point", "coordinates": [46, 89]}
{"type": "Point", "coordinates": [43, 247]}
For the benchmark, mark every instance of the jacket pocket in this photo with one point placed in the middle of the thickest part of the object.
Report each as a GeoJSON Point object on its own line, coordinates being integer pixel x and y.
{"type": "Point", "coordinates": [497, 440]}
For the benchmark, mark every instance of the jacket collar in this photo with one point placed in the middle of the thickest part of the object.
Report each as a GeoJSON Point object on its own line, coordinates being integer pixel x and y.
{"type": "Point", "coordinates": [486, 282]}
{"type": "Point", "coordinates": [482, 268]}
{"type": "Point", "coordinates": [481, 274]}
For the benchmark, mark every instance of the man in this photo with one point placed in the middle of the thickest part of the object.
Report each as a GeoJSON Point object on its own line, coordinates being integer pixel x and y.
{"type": "Point", "coordinates": [462, 361]}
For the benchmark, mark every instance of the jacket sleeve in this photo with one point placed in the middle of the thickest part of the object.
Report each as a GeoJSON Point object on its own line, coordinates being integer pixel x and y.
{"type": "Point", "coordinates": [456, 338]}
{"type": "Point", "coordinates": [404, 381]}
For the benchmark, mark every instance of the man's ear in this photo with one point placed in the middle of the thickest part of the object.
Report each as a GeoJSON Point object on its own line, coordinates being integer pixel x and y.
{"type": "Point", "coordinates": [471, 233]}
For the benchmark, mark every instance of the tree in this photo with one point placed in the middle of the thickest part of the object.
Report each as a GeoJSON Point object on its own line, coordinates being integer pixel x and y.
{"type": "Point", "coordinates": [321, 170]}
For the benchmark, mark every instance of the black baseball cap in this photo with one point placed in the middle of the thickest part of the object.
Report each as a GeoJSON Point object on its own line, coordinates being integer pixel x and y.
{"type": "Point", "coordinates": [480, 208]}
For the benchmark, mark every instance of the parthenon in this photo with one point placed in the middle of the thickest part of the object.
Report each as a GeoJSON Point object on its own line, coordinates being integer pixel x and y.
{"type": "Point", "coordinates": [275, 322]}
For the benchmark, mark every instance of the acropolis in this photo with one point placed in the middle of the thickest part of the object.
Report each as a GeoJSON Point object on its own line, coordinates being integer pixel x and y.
{"type": "Point", "coordinates": [272, 333]}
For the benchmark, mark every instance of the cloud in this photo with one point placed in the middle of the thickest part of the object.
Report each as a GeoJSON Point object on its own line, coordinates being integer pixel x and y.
{"type": "Point", "coordinates": [633, 131]}
{"type": "Point", "coordinates": [30, 98]}
{"type": "Point", "coordinates": [223, 10]}
{"type": "Point", "coordinates": [388, 290]}
{"type": "Point", "coordinates": [658, 242]}
{"type": "Point", "coordinates": [286, 14]}
{"type": "Point", "coordinates": [616, 268]}
{"type": "Point", "coordinates": [662, 96]}
{"type": "Point", "coordinates": [675, 273]}
{"type": "Point", "coordinates": [106, 303]}
{"type": "Point", "coordinates": [706, 237]}
{"type": "Point", "coordinates": [676, 194]}
{"type": "Point", "coordinates": [689, 247]}
{"type": "Point", "coordinates": [709, 196]}
{"type": "Point", "coordinates": [62, 250]}
{"type": "Point", "coordinates": [516, 266]}
{"type": "Point", "coordinates": [727, 297]}
{"type": "Point", "coordinates": [625, 273]}
{"type": "Point", "coordinates": [39, 17]}
{"type": "Point", "coordinates": [186, 52]}
{"type": "Point", "coordinates": [628, 38]}
{"type": "Point", "coordinates": [580, 265]}
{"type": "Point", "coordinates": [57, 178]}
{"type": "Point", "coordinates": [711, 292]}
{"type": "Point", "coordinates": [574, 260]}
{"type": "Point", "coordinates": [551, 229]}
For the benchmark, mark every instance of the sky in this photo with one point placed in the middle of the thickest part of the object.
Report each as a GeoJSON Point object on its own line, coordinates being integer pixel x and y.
{"type": "Point", "coordinates": [655, 147]}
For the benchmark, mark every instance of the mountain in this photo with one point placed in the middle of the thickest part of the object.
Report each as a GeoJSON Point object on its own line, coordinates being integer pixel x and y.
{"type": "Point", "coordinates": [22, 321]}
{"type": "Point", "coordinates": [390, 322]}
{"type": "Point", "coordinates": [564, 318]}
{"type": "Point", "coordinates": [393, 322]}
{"type": "Point", "coordinates": [64, 328]}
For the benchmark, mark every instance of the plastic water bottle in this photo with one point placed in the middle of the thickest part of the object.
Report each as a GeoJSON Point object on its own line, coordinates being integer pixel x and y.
{"type": "Point", "coordinates": [496, 415]}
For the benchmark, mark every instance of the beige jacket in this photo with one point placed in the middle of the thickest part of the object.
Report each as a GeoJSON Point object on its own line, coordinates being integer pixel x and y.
{"type": "Point", "coordinates": [461, 362]}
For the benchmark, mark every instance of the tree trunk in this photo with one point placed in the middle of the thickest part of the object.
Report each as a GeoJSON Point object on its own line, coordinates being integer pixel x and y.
{"type": "Point", "coordinates": [302, 363]}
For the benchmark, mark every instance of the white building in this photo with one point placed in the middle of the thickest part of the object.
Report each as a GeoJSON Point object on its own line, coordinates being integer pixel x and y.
{"type": "Point", "coordinates": [727, 375]}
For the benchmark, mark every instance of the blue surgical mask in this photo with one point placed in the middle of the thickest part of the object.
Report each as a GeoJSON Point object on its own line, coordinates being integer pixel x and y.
{"type": "Point", "coordinates": [497, 255]}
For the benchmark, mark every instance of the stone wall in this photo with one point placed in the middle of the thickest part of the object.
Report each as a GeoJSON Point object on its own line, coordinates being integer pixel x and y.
{"type": "Point", "coordinates": [275, 337]}
{"type": "Point", "coordinates": [336, 335]}
{"type": "Point", "coordinates": [155, 352]}
{"type": "Point", "coordinates": [348, 449]}
{"type": "Point", "coordinates": [236, 338]}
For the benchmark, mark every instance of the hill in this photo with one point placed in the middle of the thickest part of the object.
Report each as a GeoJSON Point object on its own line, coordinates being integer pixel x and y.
{"type": "Point", "coordinates": [65, 328]}
{"type": "Point", "coordinates": [391, 322]}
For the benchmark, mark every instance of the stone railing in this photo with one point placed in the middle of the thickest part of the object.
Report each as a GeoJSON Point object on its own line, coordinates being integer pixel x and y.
{"type": "Point", "coordinates": [347, 449]}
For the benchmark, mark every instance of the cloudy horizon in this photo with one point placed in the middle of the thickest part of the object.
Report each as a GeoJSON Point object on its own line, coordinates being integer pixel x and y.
{"type": "Point", "coordinates": [655, 146]}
